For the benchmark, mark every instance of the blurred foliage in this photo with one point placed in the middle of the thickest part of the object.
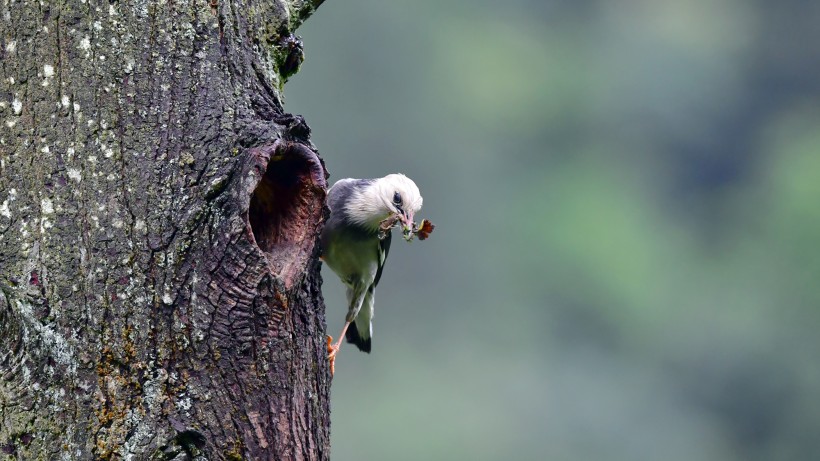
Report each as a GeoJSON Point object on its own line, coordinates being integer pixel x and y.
{"type": "Point", "coordinates": [626, 261]}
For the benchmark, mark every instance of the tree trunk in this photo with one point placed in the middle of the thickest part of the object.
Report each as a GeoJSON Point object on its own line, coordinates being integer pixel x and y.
{"type": "Point", "coordinates": [159, 284]}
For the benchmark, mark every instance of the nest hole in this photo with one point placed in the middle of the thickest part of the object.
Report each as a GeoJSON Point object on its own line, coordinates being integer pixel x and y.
{"type": "Point", "coordinates": [283, 214]}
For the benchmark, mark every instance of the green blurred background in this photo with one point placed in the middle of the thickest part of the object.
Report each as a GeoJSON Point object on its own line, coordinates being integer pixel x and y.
{"type": "Point", "coordinates": [627, 197]}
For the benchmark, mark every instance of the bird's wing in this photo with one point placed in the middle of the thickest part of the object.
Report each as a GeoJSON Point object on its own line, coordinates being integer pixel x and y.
{"type": "Point", "coordinates": [339, 192]}
{"type": "Point", "coordinates": [384, 249]}
{"type": "Point", "coordinates": [342, 190]}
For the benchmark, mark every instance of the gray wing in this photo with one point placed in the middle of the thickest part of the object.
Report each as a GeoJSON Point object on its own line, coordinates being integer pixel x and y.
{"type": "Point", "coordinates": [340, 193]}
{"type": "Point", "coordinates": [338, 225]}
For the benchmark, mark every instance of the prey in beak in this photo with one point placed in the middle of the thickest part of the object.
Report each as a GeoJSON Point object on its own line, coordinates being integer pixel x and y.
{"type": "Point", "coordinates": [408, 226]}
{"type": "Point", "coordinates": [405, 220]}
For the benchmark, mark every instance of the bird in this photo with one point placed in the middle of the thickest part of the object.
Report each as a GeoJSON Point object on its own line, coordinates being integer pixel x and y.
{"type": "Point", "coordinates": [356, 241]}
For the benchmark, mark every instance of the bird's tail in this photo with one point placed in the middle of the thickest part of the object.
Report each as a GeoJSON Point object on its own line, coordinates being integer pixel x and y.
{"type": "Point", "coordinates": [360, 330]}
{"type": "Point", "coordinates": [356, 336]}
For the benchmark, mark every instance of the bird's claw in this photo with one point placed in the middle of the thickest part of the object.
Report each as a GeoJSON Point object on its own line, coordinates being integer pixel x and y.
{"type": "Point", "coordinates": [331, 354]}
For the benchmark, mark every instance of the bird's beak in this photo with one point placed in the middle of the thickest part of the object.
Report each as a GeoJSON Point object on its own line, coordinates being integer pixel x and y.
{"type": "Point", "coordinates": [406, 223]}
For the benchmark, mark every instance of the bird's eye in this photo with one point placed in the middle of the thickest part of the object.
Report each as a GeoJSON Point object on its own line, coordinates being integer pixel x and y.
{"type": "Point", "coordinates": [397, 199]}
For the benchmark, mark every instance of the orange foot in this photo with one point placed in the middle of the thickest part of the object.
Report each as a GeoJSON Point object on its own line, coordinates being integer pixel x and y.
{"type": "Point", "coordinates": [331, 354]}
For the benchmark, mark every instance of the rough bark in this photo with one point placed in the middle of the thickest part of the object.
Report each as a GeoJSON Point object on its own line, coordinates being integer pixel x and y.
{"type": "Point", "coordinates": [159, 284]}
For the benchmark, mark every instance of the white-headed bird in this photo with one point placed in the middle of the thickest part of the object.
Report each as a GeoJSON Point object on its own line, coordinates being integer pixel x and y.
{"type": "Point", "coordinates": [356, 240]}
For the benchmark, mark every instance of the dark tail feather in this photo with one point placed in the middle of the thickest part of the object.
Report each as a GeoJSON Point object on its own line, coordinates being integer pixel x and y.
{"type": "Point", "coordinates": [353, 337]}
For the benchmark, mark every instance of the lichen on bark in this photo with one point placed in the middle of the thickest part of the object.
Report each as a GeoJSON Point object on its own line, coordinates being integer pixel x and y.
{"type": "Point", "coordinates": [140, 318]}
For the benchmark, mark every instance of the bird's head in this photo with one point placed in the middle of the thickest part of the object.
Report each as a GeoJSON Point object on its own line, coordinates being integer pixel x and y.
{"type": "Point", "coordinates": [394, 194]}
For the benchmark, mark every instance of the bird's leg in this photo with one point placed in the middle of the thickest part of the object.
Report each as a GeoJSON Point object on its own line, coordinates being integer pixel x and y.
{"type": "Point", "coordinates": [333, 349]}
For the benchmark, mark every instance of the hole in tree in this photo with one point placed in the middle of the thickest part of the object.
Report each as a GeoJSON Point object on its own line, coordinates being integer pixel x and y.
{"type": "Point", "coordinates": [284, 212]}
